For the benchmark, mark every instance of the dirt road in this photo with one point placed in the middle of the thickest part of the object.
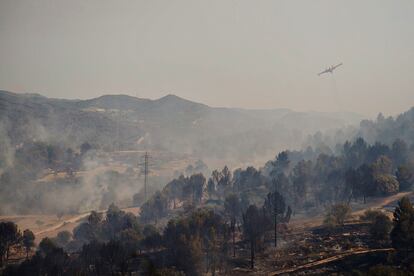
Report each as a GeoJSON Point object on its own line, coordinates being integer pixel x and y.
{"type": "Point", "coordinates": [70, 223]}
{"type": "Point", "coordinates": [49, 225]}
{"type": "Point", "coordinates": [61, 224]}
{"type": "Point", "coordinates": [329, 260]}
{"type": "Point", "coordinates": [302, 222]}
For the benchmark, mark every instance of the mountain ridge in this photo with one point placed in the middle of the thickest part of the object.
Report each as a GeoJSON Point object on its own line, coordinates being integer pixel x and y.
{"type": "Point", "coordinates": [169, 123]}
{"type": "Point", "coordinates": [170, 97]}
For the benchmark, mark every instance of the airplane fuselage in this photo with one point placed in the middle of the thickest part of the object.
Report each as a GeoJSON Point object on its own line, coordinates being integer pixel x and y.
{"type": "Point", "coordinates": [330, 69]}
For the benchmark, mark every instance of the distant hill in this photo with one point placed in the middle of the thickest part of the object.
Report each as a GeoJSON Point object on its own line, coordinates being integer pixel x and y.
{"type": "Point", "coordinates": [387, 130]}
{"type": "Point", "coordinates": [169, 123]}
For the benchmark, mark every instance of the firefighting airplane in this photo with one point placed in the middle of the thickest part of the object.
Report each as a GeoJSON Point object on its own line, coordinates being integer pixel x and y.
{"type": "Point", "coordinates": [330, 69]}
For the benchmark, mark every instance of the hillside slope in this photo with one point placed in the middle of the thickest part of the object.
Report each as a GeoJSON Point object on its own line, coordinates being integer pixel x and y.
{"type": "Point", "coordinates": [169, 123]}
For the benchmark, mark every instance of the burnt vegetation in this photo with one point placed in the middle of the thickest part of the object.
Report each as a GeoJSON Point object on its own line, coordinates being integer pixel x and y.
{"type": "Point", "coordinates": [238, 222]}
{"type": "Point", "coordinates": [293, 214]}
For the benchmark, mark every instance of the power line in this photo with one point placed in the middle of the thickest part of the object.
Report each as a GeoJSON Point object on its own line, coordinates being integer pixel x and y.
{"type": "Point", "coordinates": [145, 169]}
{"type": "Point", "coordinates": [147, 162]}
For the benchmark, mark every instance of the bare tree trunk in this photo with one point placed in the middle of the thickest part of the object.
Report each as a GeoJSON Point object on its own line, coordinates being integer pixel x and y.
{"type": "Point", "coordinates": [207, 261]}
{"type": "Point", "coordinates": [275, 231]}
{"type": "Point", "coordinates": [350, 198]}
{"type": "Point", "coordinates": [234, 242]}
{"type": "Point", "coordinates": [275, 213]}
{"type": "Point", "coordinates": [252, 254]}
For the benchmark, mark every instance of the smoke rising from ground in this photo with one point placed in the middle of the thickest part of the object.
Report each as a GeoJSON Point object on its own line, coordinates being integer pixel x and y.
{"type": "Point", "coordinates": [59, 156]}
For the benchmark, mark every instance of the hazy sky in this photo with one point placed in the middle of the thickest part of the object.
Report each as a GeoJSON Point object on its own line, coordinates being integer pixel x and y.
{"type": "Point", "coordinates": [254, 54]}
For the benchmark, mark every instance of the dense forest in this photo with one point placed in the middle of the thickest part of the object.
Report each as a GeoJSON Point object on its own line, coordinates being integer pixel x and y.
{"type": "Point", "coordinates": [307, 181]}
{"type": "Point", "coordinates": [194, 244]}
{"type": "Point", "coordinates": [198, 224]}
{"type": "Point", "coordinates": [23, 166]}
{"type": "Point", "coordinates": [207, 218]}
{"type": "Point", "coordinates": [383, 129]}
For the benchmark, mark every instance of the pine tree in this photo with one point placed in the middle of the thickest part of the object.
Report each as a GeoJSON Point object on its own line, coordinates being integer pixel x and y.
{"type": "Point", "coordinates": [402, 235]}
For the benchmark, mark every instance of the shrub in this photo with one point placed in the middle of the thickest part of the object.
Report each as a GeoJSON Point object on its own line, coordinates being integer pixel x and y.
{"type": "Point", "coordinates": [370, 215]}
{"type": "Point", "coordinates": [337, 214]}
{"type": "Point", "coordinates": [381, 227]}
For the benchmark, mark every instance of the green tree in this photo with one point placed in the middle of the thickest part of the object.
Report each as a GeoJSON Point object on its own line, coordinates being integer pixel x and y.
{"type": "Point", "coordinates": [95, 218]}
{"type": "Point", "coordinates": [274, 209]}
{"type": "Point", "coordinates": [355, 154]}
{"type": "Point", "coordinates": [115, 256]}
{"type": "Point", "coordinates": [380, 228]}
{"type": "Point", "coordinates": [197, 182]}
{"type": "Point", "coordinates": [152, 237]}
{"type": "Point", "coordinates": [212, 251]}
{"type": "Point", "coordinates": [9, 236]}
{"type": "Point", "coordinates": [405, 177]}
{"type": "Point", "coordinates": [337, 214]}
{"type": "Point", "coordinates": [85, 147]}
{"type": "Point", "coordinates": [249, 179]}
{"type": "Point", "coordinates": [399, 152]}
{"type": "Point", "coordinates": [184, 251]}
{"type": "Point", "coordinates": [252, 230]}
{"type": "Point", "coordinates": [383, 165]}
{"type": "Point", "coordinates": [232, 208]}
{"type": "Point", "coordinates": [90, 258]}
{"type": "Point", "coordinates": [301, 175]}
{"type": "Point", "coordinates": [155, 208]}
{"type": "Point", "coordinates": [351, 184]}
{"type": "Point", "coordinates": [224, 184]}
{"type": "Point", "coordinates": [174, 190]}
{"type": "Point", "coordinates": [53, 259]}
{"type": "Point", "coordinates": [186, 237]}
{"type": "Point", "coordinates": [370, 215]}
{"type": "Point", "coordinates": [211, 188]}
{"type": "Point", "coordinates": [28, 241]}
{"type": "Point", "coordinates": [279, 165]}
{"type": "Point", "coordinates": [214, 181]}
{"type": "Point", "coordinates": [365, 185]}
{"type": "Point", "coordinates": [47, 246]}
{"type": "Point", "coordinates": [402, 235]}
{"type": "Point", "coordinates": [85, 233]}
{"type": "Point", "coordinates": [63, 238]}
{"type": "Point", "coordinates": [386, 184]}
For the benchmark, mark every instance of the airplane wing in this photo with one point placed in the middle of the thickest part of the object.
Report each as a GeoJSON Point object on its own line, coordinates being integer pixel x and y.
{"type": "Point", "coordinates": [323, 72]}
{"type": "Point", "coordinates": [336, 66]}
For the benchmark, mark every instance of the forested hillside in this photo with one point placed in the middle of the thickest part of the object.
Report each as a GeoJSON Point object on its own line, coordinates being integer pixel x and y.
{"type": "Point", "coordinates": [119, 122]}
{"type": "Point", "coordinates": [387, 130]}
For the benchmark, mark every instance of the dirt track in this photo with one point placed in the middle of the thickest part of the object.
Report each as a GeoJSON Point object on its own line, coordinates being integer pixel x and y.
{"type": "Point", "coordinates": [358, 209]}
{"type": "Point", "coordinates": [52, 225]}
{"type": "Point", "coordinates": [61, 224]}
{"type": "Point", "coordinates": [329, 260]}
{"type": "Point", "coordinates": [72, 222]}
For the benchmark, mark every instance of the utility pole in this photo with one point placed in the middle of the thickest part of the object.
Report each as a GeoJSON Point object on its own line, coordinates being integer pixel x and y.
{"type": "Point", "coordinates": [144, 166]}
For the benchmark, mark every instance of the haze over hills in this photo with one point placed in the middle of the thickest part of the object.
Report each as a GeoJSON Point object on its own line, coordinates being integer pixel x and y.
{"type": "Point", "coordinates": [46, 179]}
{"type": "Point", "coordinates": [120, 122]}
